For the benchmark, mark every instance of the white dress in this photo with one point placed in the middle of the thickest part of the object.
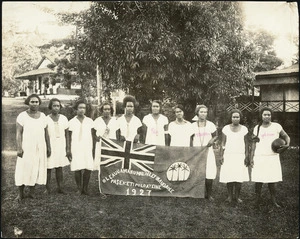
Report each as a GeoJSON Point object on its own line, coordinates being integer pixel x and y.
{"type": "Point", "coordinates": [100, 128]}
{"type": "Point", "coordinates": [31, 169]}
{"type": "Point", "coordinates": [267, 167]}
{"type": "Point", "coordinates": [81, 143]}
{"type": "Point", "coordinates": [155, 129]}
{"type": "Point", "coordinates": [233, 168]}
{"type": "Point", "coordinates": [129, 130]}
{"type": "Point", "coordinates": [202, 135]}
{"type": "Point", "coordinates": [58, 142]}
{"type": "Point", "coordinates": [180, 134]}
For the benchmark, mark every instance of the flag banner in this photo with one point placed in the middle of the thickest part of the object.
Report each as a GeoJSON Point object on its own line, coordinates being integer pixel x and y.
{"type": "Point", "coordinates": [135, 169]}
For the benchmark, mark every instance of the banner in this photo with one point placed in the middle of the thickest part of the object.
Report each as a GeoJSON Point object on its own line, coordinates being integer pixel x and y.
{"type": "Point", "coordinates": [128, 168]}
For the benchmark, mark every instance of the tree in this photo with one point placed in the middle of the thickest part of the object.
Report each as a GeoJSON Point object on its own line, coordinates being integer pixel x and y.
{"type": "Point", "coordinates": [18, 56]}
{"type": "Point", "coordinates": [192, 52]}
{"type": "Point", "coordinates": [71, 66]}
{"type": "Point", "coordinates": [262, 44]}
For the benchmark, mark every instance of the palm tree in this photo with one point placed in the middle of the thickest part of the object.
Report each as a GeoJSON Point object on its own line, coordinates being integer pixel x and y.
{"type": "Point", "coordinates": [185, 168]}
{"type": "Point", "coordinates": [179, 167]}
{"type": "Point", "coordinates": [173, 168]}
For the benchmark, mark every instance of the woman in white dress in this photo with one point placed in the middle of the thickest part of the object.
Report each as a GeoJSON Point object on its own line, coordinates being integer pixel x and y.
{"type": "Point", "coordinates": [106, 127]}
{"type": "Point", "coordinates": [129, 126]}
{"type": "Point", "coordinates": [155, 125]}
{"type": "Point", "coordinates": [33, 147]}
{"type": "Point", "coordinates": [205, 134]}
{"type": "Point", "coordinates": [266, 167]}
{"type": "Point", "coordinates": [80, 147]}
{"type": "Point", "coordinates": [58, 133]}
{"type": "Point", "coordinates": [234, 156]}
{"type": "Point", "coordinates": [180, 130]}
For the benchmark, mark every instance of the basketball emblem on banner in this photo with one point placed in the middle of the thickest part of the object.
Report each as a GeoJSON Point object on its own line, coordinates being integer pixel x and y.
{"type": "Point", "coordinates": [178, 171]}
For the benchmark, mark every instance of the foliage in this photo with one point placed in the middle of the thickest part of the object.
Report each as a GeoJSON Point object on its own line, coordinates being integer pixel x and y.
{"type": "Point", "coordinates": [193, 52]}
{"type": "Point", "coordinates": [295, 59]}
{"type": "Point", "coordinates": [262, 44]}
{"type": "Point", "coordinates": [18, 56]}
{"type": "Point", "coordinates": [72, 66]}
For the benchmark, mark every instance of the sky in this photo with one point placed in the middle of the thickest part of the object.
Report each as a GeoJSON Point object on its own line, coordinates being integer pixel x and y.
{"type": "Point", "coordinates": [280, 18]}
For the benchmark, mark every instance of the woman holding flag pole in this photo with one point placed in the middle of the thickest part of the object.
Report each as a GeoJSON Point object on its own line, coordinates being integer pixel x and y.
{"type": "Point", "coordinates": [205, 134]}
{"type": "Point", "coordinates": [106, 127]}
{"type": "Point", "coordinates": [129, 126]}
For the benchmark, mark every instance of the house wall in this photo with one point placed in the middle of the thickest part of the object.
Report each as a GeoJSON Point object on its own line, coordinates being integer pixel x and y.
{"type": "Point", "coordinates": [271, 92]}
{"type": "Point", "coordinates": [276, 80]}
{"type": "Point", "coordinates": [292, 92]}
{"type": "Point", "coordinates": [276, 92]}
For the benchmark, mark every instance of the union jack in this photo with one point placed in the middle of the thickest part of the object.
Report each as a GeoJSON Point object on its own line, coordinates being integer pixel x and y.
{"type": "Point", "coordinates": [128, 154]}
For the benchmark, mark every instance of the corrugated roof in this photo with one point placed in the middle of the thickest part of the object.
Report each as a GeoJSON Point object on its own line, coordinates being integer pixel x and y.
{"type": "Point", "coordinates": [292, 69]}
{"type": "Point", "coordinates": [40, 71]}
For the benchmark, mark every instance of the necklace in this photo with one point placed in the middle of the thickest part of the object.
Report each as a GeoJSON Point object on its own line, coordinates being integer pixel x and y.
{"type": "Point", "coordinates": [106, 120]}
{"type": "Point", "coordinates": [201, 134]}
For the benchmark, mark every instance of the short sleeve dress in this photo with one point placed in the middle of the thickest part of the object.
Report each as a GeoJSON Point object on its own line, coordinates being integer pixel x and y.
{"type": "Point", "coordinates": [81, 143]}
{"type": "Point", "coordinates": [58, 142]}
{"type": "Point", "coordinates": [100, 127]}
{"type": "Point", "coordinates": [129, 130]}
{"type": "Point", "coordinates": [233, 168]}
{"type": "Point", "coordinates": [31, 169]}
{"type": "Point", "coordinates": [180, 134]}
{"type": "Point", "coordinates": [202, 135]}
{"type": "Point", "coordinates": [267, 167]}
{"type": "Point", "coordinates": [155, 129]}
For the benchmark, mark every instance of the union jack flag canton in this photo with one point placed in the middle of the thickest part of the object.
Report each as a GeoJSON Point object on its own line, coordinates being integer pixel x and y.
{"type": "Point", "coordinates": [129, 155]}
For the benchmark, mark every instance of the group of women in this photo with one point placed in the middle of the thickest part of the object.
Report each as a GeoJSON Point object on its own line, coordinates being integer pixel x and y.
{"type": "Point", "coordinates": [48, 142]}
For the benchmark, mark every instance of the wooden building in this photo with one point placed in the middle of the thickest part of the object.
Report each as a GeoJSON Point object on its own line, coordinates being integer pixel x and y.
{"type": "Point", "coordinates": [279, 90]}
{"type": "Point", "coordinates": [39, 80]}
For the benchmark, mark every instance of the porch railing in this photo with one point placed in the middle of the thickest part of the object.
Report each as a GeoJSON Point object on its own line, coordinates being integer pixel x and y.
{"type": "Point", "coordinates": [276, 106]}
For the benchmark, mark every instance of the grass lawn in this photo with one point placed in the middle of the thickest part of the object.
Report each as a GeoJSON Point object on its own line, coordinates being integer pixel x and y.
{"type": "Point", "coordinates": [71, 215]}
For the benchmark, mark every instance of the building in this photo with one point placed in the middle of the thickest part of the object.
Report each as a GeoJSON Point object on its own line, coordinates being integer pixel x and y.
{"type": "Point", "coordinates": [43, 80]}
{"type": "Point", "coordinates": [39, 80]}
{"type": "Point", "coordinates": [279, 90]}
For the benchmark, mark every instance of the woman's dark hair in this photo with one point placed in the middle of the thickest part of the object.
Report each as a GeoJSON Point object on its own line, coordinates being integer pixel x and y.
{"type": "Point", "coordinates": [235, 111]}
{"type": "Point", "coordinates": [260, 122]}
{"type": "Point", "coordinates": [32, 96]}
{"type": "Point", "coordinates": [129, 98]}
{"type": "Point", "coordinates": [198, 107]}
{"type": "Point", "coordinates": [107, 103]}
{"type": "Point", "coordinates": [178, 106]}
{"type": "Point", "coordinates": [157, 102]}
{"type": "Point", "coordinates": [264, 109]}
{"type": "Point", "coordinates": [79, 102]}
{"type": "Point", "coordinates": [51, 102]}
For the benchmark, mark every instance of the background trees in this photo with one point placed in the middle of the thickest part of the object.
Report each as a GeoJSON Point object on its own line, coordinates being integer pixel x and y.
{"type": "Point", "coordinates": [18, 56]}
{"type": "Point", "coordinates": [193, 52]}
{"type": "Point", "coordinates": [261, 43]}
{"type": "Point", "coordinates": [189, 52]}
{"type": "Point", "coordinates": [71, 65]}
